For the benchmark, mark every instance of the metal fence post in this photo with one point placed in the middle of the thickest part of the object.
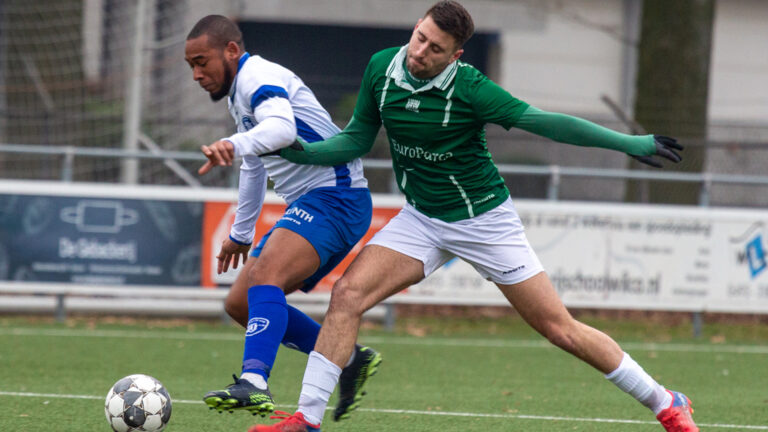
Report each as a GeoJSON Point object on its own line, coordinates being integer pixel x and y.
{"type": "Point", "coordinates": [706, 187]}
{"type": "Point", "coordinates": [132, 114]}
{"type": "Point", "coordinates": [698, 323]}
{"type": "Point", "coordinates": [554, 183]}
{"type": "Point", "coordinates": [389, 317]}
{"type": "Point", "coordinates": [61, 311]}
{"type": "Point", "coordinates": [67, 164]}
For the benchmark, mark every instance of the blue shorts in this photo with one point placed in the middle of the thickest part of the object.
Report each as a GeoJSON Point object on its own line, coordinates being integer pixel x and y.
{"type": "Point", "coordinates": [332, 219]}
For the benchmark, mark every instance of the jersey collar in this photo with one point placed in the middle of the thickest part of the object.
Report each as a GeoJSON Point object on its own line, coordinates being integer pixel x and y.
{"type": "Point", "coordinates": [240, 63]}
{"type": "Point", "coordinates": [397, 72]}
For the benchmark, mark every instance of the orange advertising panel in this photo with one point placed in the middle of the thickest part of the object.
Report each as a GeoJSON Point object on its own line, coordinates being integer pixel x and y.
{"type": "Point", "coordinates": [218, 218]}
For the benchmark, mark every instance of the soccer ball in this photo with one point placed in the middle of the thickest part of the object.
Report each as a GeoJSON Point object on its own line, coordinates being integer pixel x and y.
{"type": "Point", "coordinates": [138, 403]}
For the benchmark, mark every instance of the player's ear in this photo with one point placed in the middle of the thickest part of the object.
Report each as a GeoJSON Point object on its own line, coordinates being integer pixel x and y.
{"type": "Point", "coordinates": [417, 24]}
{"type": "Point", "coordinates": [456, 55]}
{"type": "Point", "coordinates": [232, 50]}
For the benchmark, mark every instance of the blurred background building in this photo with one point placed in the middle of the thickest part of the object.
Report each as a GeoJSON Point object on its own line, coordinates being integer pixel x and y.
{"type": "Point", "coordinates": [110, 74]}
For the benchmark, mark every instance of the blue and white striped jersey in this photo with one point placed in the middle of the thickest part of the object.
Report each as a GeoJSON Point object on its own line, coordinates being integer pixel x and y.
{"type": "Point", "coordinates": [271, 106]}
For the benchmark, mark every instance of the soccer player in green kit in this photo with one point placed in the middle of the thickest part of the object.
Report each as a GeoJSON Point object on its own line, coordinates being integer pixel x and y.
{"type": "Point", "coordinates": [434, 108]}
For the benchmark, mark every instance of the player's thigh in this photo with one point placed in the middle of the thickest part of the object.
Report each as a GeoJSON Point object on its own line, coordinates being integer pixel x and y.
{"type": "Point", "coordinates": [376, 273]}
{"type": "Point", "coordinates": [401, 254]}
{"type": "Point", "coordinates": [413, 235]}
{"type": "Point", "coordinates": [315, 233]}
{"type": "Point", "coordinates": [286, 259]}
{"type": "Point", "coordinates": [537, 301]}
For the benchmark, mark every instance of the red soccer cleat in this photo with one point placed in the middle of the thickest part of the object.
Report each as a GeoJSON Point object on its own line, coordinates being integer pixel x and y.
{"type": "Point", "coordinates": [290, 423]}
{"type": "Point", "coordinates": [677, 418]}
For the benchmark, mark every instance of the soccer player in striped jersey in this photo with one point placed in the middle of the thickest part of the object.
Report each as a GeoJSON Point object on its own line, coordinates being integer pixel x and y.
{"type": "Point", "coordinates": [329, 210]}
{"type": "Point", "coordinates": [434, 108]}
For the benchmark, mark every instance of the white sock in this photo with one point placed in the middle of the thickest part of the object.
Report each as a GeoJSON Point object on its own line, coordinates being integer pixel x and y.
{"type": "Point", "coordinates": [631, 378]}
{"type": "Point", "coordinates": [320, 379]}
{"type": "Point", "coordinates": [255, 379]}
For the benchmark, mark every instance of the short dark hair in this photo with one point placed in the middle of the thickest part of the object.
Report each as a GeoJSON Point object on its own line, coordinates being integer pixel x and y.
{"type": "Point", "coordinates": [220, 30]}
{"type": "Point", "coordinates": [452, 18]}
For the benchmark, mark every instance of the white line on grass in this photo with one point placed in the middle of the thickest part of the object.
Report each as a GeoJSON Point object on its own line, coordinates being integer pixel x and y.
{"type": "Point", "coordinates": [384, 340]}
{"type": "Point", "coordinates": [424, 413]}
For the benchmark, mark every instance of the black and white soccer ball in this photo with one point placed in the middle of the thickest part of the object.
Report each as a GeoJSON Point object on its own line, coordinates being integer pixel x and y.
{"type": "Point", "coordinates": [138, 403]}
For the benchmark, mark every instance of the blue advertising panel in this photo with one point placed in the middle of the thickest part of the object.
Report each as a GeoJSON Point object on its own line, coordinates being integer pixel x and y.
{"type": "Point", "coordinates": [100, 240]}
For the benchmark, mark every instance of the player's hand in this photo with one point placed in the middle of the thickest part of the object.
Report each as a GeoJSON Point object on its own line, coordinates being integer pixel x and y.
{"type": "Point", "coordinates": [220, 153]}
{"type": "Point", "coordinates": [230, 253]}
{"type": "Point", "coordinates": [665, 147]}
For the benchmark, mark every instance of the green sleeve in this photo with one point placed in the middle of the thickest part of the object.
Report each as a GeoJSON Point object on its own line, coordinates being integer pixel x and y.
{"type": "Point", "coordinates": [353, 142]}
{"type": "Point", "coordinates": [493, 104]}
{"type": "Point", "coordinates": [573, 130]}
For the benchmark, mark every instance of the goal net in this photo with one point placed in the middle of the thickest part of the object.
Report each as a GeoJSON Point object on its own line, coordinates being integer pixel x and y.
{"type": "Point", "coordinates": [70, 76]}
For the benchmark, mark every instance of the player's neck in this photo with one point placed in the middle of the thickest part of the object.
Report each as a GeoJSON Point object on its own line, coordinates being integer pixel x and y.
{"type": "Point", "coordinates": [413, 80]}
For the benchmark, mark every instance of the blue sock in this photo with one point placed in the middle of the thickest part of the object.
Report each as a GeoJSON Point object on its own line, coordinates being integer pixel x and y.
{"type": "Point", "coordinates": [267, 322]}
{"type": "Point", "coordinates": [302, 331]}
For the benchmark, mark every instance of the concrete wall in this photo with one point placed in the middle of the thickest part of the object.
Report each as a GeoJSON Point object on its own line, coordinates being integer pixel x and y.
{"type": "Point", "coordinates": [739, 74]}
{"type": "Point", "coordinates": [554, 54]}
{"type": "Point", "coordinates": [562, 55]}
{"type": "Point", "coordinates": [568, 62]}
{"type": "Point", "coordinates": [489, 15]}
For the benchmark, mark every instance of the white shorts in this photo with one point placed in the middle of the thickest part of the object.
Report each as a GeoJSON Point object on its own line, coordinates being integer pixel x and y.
{"type": "Point", "coordinates": [494, 242]}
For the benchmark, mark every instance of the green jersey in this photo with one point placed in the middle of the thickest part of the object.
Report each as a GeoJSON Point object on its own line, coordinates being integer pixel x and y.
{"type": "Point", "coordinates": [437, 135]}
{"type": "Point", "coordinates": [436, 132]}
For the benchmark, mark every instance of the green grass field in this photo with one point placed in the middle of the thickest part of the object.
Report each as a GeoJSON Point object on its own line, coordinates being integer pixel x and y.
{"type": "Point", "coordinates": [438, 375]}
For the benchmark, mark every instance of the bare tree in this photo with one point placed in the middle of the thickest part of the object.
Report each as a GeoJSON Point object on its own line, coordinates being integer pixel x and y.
{"type": "Point", "coordinates": [672, 87]}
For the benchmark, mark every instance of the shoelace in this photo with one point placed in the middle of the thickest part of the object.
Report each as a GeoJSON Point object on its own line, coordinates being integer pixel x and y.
{"type": "Point", "coordinates": [237, 380]}
{"type": "Point", "coordinates": [281, 415]}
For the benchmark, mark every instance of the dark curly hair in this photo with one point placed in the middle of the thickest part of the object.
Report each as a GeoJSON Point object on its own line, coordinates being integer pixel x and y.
{"type": "Point", "coordinates": [220, 30]}
{"type": "Point", "coordinates": [452, 18]}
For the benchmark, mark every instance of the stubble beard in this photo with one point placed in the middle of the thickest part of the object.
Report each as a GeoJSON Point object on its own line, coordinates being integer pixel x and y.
{"type": "Point", "coordinates": [224, 90]}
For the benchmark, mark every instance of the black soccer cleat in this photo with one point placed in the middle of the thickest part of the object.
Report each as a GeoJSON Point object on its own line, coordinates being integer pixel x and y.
{"type": "Point", "coordinates": [241, 395]}
{"type": "Point", "coordinates": [353, 379]}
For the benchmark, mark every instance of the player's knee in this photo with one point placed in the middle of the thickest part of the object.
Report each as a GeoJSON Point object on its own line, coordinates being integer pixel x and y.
{"type": "Point", "coordinates": [237, 310]}
{"type": "Point", "coordinates": [259, 275]}
{"type": "Point", "coordinates": [346, 298]}
{"type": "Point", "coordinates": [560, 335]}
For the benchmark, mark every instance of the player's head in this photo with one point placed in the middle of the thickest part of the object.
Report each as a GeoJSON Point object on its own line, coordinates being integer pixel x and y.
{"type": "Point", "coordinates": [213, 48]}
{"type": "Point", "coordinates": [438, 39]}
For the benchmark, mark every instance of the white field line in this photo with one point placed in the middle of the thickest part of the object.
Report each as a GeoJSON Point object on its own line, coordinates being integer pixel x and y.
{"type": "Point", "coordinates": [386, 340]}
{"type": "Point", "coordinates": [422, 413]}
